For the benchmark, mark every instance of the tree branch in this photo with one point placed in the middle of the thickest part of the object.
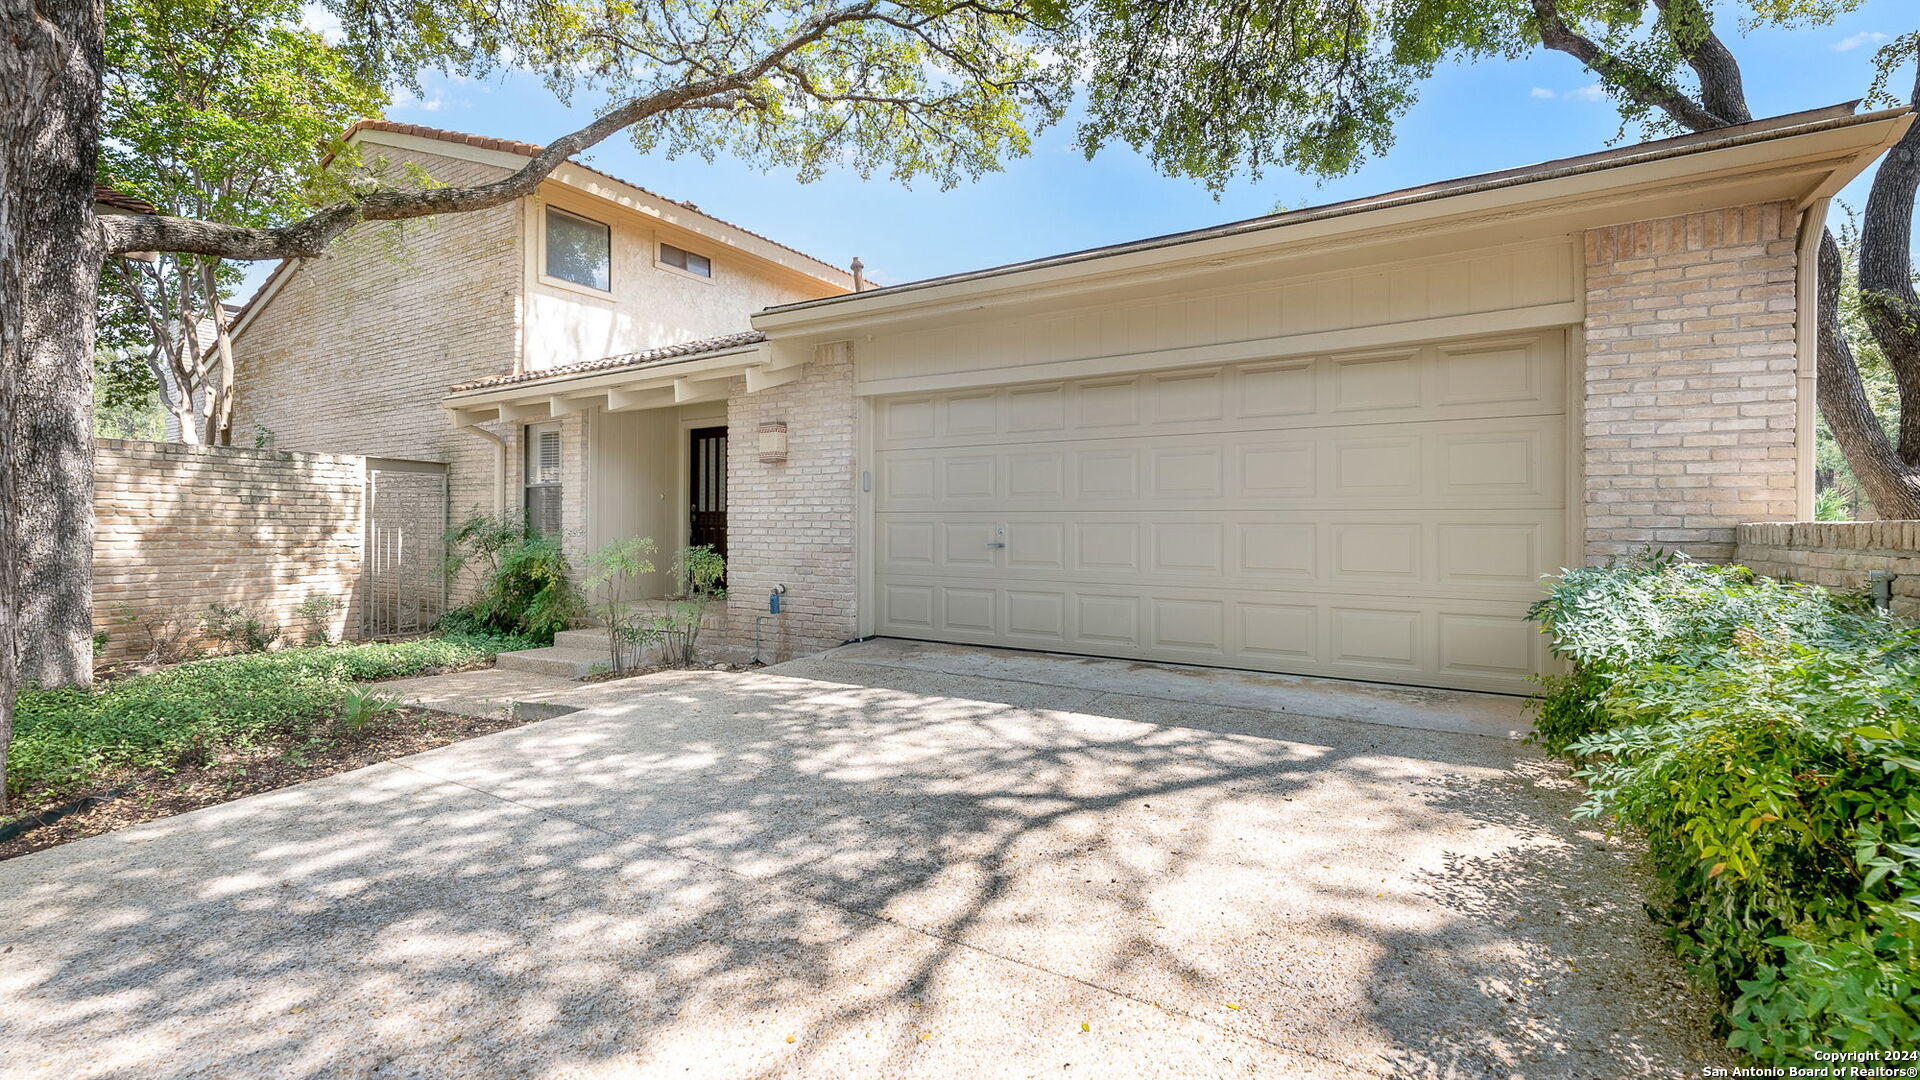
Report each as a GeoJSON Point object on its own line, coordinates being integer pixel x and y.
{"type": "Point", "coordinates": [1890, 482]}
{"type": "Point", "coordinates": [1888, 304]}
{"type": "Point", "coordinates": [1722, 90]}
{"type": "Point", "coordinates": [1618, 73]}
{"type": "Point", "coordinates": [310, 236]}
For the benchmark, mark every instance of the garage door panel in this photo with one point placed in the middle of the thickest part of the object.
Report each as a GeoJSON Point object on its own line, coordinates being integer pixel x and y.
{"type": "Point", "coordinates": [1466, 643]}
{"type": "Point", "coordinates": [1489, 372]}
{"type": "Point", "coordinates": [1518, 376]}
{"type": "Point", "coordinates": [1285, 633]}
{"type": "Point", "coordinates": [1182, 398]}
{"type": "Point", "coordinates": [1103, 620]}
{"type": "Point", "coordinates": [1037, 615]}
{"type": "Point", "coordinates": [969, 610]}
{"type": "Point", "coordinates": [1384, 515]}
{"type": "Point", "coordinates": [1187, 625]}
{"type": "Point", "coordinates": [1378, 552]}
{"type": "Point", "coordinates": [1375, 382]}
{"type": "Point", "coordinates": [1498, 555]}
{"type": "Point", "coordinates": [1107, 547]}
{"type": "Point", "coordinates": [1037, 546]}
{"type": "Point", "coordinates": [1486, 553]}
{"type": "Point", "coordinates": [1105, 404]}
{"type": "Point", "coordinates": [1036, 409]}
{"type": "Point", "coordinates": [1277, 390]}
{"type": "Point", "coordinates": [1502, 462]}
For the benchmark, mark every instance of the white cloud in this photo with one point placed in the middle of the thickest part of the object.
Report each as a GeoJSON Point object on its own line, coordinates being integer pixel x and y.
{"type": "Point", "coordinates": [1864, 37]}
{"type": "Point", "coordinates": [403, 101]}
{"type": "Point", "coordinates": [1541, 93]}
{"type": "Point", "coordinates": [1592, 92]}
{"type": "Point", "coordinates": [323, 22]}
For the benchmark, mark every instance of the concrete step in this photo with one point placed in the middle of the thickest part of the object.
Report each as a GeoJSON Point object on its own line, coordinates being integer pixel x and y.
{"type": "Point", "coordinates": [593, 637]}
{"type": "Point", "coordinates": [565, 661]}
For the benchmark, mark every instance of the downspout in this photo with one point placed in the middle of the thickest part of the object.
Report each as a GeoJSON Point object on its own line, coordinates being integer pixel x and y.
{"type": "Point", "coordinates": [1806, 325]}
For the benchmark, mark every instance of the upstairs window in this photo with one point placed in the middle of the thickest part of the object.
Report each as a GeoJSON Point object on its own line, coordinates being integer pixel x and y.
{"type": "Point", "coordinates": [579, 250]}
{"type": "Point", "coordinates": [682, 259]}
{"type": "Point", "coordinates": [543, 478]}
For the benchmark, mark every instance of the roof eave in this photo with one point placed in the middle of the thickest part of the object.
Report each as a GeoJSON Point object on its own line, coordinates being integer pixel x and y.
{"type": "Point", "coordinates": [682, 380]}
{"type": "Point", "coordinates": [1834, 148]}
{"type": "Point", "coordinates": [597, 184]}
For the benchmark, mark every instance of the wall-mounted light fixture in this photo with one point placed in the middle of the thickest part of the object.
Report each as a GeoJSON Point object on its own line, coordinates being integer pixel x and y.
{"type": "Point", "coordinates": [773, 440]}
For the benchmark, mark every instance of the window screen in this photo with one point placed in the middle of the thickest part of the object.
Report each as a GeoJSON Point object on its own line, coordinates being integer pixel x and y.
{"type": "Point", "coordinates": [578, 250]}
{"type": "Point", "coordinates": [682, 259]}
{"type": "Point", "coordinates": [543, 478]}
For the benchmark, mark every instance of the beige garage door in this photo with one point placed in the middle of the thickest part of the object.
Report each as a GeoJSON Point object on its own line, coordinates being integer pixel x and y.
{"type": "Point", "coordinates": [1383, 515]}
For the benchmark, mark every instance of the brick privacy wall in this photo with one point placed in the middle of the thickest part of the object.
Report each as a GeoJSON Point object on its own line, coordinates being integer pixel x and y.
{"type": "Point", "coordinates": [793, 522]}
{"type": "Point", "coordinates": [1837, 555]}
{"type": "Point", "coordinates": [355, 352]}
{"type": "Point", "coordinates": [1690, 391]}
{"type": "Point", "coordinates": [181, 527]}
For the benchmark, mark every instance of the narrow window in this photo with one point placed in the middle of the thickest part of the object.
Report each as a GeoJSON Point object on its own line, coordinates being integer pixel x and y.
{"type": "Point", "coordinates": [543, 478]}
{"type": "Point", "coordinates": [578, 250]}
{"type": "Point", "coordinates": [682, 259]}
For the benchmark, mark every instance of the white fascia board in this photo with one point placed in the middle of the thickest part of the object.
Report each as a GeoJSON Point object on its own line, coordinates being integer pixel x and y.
{"type": "Point", "coordinates": [700, 368]}
{"type": "Point", "coordinates": [1803, 162]}
{"type": "Point", "coordinates": [601, 186]}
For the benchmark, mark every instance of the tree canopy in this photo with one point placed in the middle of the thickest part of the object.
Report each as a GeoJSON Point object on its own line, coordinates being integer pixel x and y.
{"type": "Point", "coordinates": [1213, 88]}
{"type": "Point", "coordinates": [220, 109]}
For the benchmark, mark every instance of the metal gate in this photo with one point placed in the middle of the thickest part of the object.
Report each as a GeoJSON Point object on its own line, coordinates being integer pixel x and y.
{"type": "Point", "coordinates": [403, 580]}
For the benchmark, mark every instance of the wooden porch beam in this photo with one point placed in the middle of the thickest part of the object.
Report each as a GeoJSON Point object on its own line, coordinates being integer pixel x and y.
{"type": "Point", "coordinates": [524, 410]}
{"type": "Point", "coordinates": [629, 400]}
{"type": "Point", "coordinates": [764, 378]}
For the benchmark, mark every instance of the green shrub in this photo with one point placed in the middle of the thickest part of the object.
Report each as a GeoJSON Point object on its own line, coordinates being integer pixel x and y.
{"type": "Point", "coordinates": [239, 629]}
{"type": "Point", "coordinates": [316, 616]}
{"type": "Point", "coordinates": [66, 740]}
{"type": "Point", "coordinates": [359, 709]}
{"type": "Point", "coordinates": [1765, 736]}
{"type": "Point", "coordinates": [525, 588]}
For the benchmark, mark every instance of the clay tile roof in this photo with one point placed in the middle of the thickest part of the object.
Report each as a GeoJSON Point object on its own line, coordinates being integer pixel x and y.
{"type": "Point", "coordinates": [510, 146]}
{"type": "Point", "coordinates": [120, 200]}
{"type": "Point", "coordinates": [643, 358]}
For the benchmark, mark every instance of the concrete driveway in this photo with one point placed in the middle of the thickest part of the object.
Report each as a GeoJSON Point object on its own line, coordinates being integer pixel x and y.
{"type": "Point", "coordinates": [889, 861]}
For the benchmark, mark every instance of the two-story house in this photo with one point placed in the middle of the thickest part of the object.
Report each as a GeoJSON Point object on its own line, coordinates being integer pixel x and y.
{"type": "Point", "coordinates": [352, 353]}
{"type": "Point", "coordinates": [1346, 440]}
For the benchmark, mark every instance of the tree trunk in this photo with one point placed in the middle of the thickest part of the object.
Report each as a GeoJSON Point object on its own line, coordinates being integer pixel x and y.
{"type": "Point", "coordinates": [50, 60]}
{"type": "Point", "coordinates": [1889, 481]}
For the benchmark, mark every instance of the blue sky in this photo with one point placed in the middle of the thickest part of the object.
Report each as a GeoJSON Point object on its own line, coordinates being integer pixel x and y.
{"type": "Point", "coordinates": [1470, 119]}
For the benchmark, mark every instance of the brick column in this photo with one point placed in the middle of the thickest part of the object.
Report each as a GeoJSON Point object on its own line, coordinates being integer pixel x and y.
{"type": "Point", "coordinates": [1690, 394]}
{"type": "Point", "coordinates": [793, 522]}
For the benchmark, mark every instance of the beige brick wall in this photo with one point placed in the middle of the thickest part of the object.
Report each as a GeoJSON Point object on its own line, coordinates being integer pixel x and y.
{"type": "Point", "coordinates": [793, 523]}
{"type": "Point", "coordinates": [357, 348]}
{"type": "Point", "coordinates": [1837, 555]}
{"type": "Point", "coordinates": [1690, 388]}
{"type": "Point", "coordinates": [181, 527]}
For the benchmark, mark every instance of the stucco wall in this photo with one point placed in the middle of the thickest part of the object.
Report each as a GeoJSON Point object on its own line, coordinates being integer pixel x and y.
{"type": "Point", "coordinates": [1837, 555]}
{"type": "Point", "coordinates": [1691, 398]}
{"type": "Point", "coordinates": [647, 305]}
{"type": "Point", "coordinates": [1267, 303]}
{"type": "Point", "coordinates": [793, 523]}
{"type": "Point", "coordinates": [181, 527]}
{"type": "Point", "coordinates": [355, 351]}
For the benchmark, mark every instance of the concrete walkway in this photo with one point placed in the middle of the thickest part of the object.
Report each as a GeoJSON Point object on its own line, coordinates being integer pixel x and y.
{"type": "Point", "coordinates": [892, 861]}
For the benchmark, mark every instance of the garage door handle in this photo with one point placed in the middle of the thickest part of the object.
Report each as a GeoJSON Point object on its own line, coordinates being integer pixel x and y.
{"type": "Point", "coordinates": [996, 543]}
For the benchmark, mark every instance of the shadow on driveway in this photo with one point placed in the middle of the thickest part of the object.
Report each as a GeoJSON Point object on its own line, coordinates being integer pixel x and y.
{"type": "Point", "coordinates": [835, 869]}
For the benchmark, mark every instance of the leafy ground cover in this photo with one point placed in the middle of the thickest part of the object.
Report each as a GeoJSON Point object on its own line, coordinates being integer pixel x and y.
{"type": "Point", "coordinates": [300, 704]}
{"type": "Point", "coordinates": [1765, 737]}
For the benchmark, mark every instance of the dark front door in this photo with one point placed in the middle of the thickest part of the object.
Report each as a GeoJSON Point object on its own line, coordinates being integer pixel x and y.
{"type": "Point", "coordinates": [707, 514]}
